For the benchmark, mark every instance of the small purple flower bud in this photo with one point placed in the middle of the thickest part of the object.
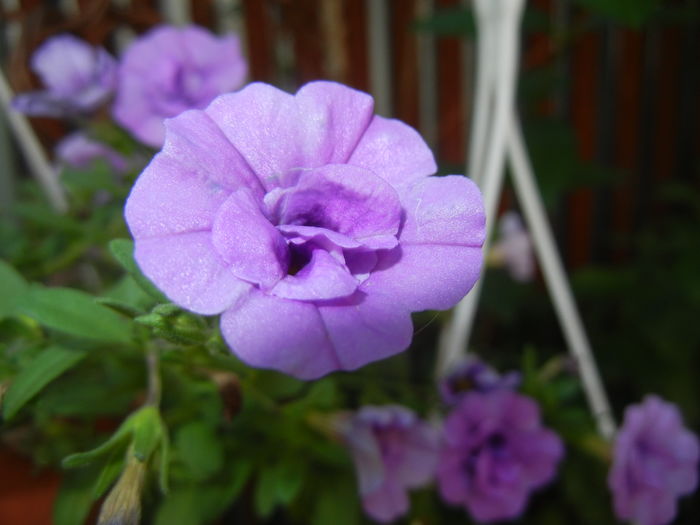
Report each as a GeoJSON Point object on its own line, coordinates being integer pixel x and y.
{"type": "Point", "coordinates": [393, 451]}
{"type": "Point", "coordinates": [78, 78]}
{"type": "Point", "coordinates": [79, 151]}
{"type": "Point", "coordinates": [655, 462]}
{"type": "Point", "coordinates": [514, 248]}
{"type": "Point", "coordinates": [495, 453]}
{"type": "Point", "coordinates": [473, 374]}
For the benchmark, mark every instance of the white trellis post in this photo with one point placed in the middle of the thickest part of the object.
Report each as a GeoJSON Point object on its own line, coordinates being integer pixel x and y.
{"type": "Point", "coordinates": [496, 138]}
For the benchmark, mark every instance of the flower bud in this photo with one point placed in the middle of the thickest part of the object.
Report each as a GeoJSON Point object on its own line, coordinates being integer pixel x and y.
{"type": "Point", "coordinates": [123, 504]}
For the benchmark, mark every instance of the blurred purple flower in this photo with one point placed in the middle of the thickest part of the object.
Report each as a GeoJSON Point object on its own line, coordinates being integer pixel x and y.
{"type": "Point", "coordinates": [77, 76]}
{"type": "Point", "coordinates": [79, 151]}
{"type": "Point", "coordinates": [393, 451]}
{"type": "Point", "coordinates": [309, 222]}
{"type": "Point", "coordinates": [172, 69]}
{"type": "Point", "coordinates": [514, 248]}
{"type": "Point", "coordinates": [495, 453]}
{"type": "Point", "coordinates": [473, 374]}
{"type": "Point", "coordinates": [655, 462]}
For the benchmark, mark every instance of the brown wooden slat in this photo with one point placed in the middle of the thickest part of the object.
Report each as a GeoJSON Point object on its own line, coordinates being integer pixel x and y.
{"type": "Point", "coordinates": [451, 147]}
{"type": "Point", "coordinates": [356, 44]}
{"type": "Point", "coordinates": [585, 74]}
{"type": "Point", "coordinates": [405, 54]}
{"type": "Point", "coordinates": [202, 12]}
{"type": "Point", "coordinates": [259, 33]}
{"type": "Point", "coordinates": [628, 100]}
{"type": "Point", "coordinates": [301, 19]}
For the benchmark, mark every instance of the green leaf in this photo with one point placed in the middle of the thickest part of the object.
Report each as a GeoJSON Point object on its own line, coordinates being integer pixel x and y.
{"type": "Point", "coordinates": [109, 473]}
{"type": "Point", "coordinates": [46, 367]}
{"type": "Point", "coordinates": [199, 449]}
{"type": "Point", "coordinates": [117, 439]}
{"type": "Point", "coordinates": [123, 251]}
{"type": "Point", "coordinates": [12, 289]}
{"type": "Point", "coordinates": [74, 500]}
{"type": "Point", "coordinates": [290, 478]}
{"type": "Point", "coordinates": [148, 432]}
{"type": "Point", "coordinates": [75, 313]}
{"type": "Point", "coordinates": [337, 503]}
{"type": "Point", "coordinates": [266, 494]}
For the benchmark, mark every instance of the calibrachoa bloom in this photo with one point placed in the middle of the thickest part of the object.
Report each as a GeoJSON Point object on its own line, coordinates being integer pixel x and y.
{"type": "Point", "coordinates": [495, 453]}
{"type": "Point", "coordinates": [312, 224]}
{"type": "Point", "coordinates": [655, 462]}
{"type": "Point", "coordinates": [77, 76]}
{"type": "Point", "coordinates": [393, 451]}
{"type": "Point", "coordinates": [172, 69]}
{"type": "Point", "coordinates": [473, 374]}
{"type": "Point", "coordinates": [514, 248]}
{"type": "Point", "coordinates": [79, 151]}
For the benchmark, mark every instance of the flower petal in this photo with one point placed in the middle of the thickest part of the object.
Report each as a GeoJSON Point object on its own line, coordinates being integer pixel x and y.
{"type": "Point", "coordinates": [342, 198]}
{"type": "Point", "coordinates": [270, 332]}
{"type": "Point", "coordinates": [188, 270]}
{"type": "Point", "coordinates": [424, 276]}
{"type": "Point", "coordinates": [168, 199]}
{"type": "Point", "coordinates": [365, 328]}
{"type": "Point", "coordinates": [387, 503]}
{"type": "Point", "coordinates": [277, 132]}
{"type": "Point", "coordinates": [322, 278]}
{"type": "Point", "coordinates": [443, 210]}
{"type": "Point", "coordinates": [251, 246]}
{"type": "Point", "coordinates": [394, 151]}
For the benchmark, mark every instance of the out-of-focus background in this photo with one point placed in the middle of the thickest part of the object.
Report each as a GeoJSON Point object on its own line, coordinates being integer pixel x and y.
{"type": "Point", "coordinates": [608, 95]}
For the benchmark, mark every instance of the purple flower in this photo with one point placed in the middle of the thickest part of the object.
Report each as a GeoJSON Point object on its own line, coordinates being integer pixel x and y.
{"type": "Point", "coordinates": [495, 452]}
{"type": "Point", "coordinates": [473, 374]}
{"type": "Point", "coordinates": [78, 78]}
{"type": "Point", "coordinates": [170, 70]}
{"type": "Point", "coordinates": [514, 248]}
{"type": "Point", "coordinates": [655, 462]}
{"type": "Point", "coordinates": [393, 451]}
{"type": "Point", "coordinates": [79, 151]}
{"type": "Point", "coordinates": [309, 222]}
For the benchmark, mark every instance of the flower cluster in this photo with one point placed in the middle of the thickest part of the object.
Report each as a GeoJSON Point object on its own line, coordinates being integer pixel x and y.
{"type": "Point", "coordinates": [655, 462]}
{"type": "Point", "coordinates": [473, 374]}
{"type": "Point", "coordinates": [312, 225]}
{"type": "Point", "coordinates": [393, 451]}
{"type": "Point", "coordinates": [78, 78]}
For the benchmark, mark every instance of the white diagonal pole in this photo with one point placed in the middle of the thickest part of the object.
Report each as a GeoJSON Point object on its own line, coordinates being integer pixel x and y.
{"type": "Point", "coordinates": [33, 152]}
{"type": "Point", "coordinates": [496, 136]}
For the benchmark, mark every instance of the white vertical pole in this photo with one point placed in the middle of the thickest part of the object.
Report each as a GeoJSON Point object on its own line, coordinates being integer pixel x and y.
{"type": "Point", "coordinates": [379, 55]}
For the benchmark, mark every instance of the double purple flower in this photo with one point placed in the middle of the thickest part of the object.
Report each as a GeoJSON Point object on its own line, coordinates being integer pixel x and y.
{"type": "Point", "coordinates": [78, 78]}
{"type": "Point", "coordinates": [170, 70]}
{"type": "Point", "coordinates": [495, 453]}
{"type": "Point", "coordinates": [393, 451]}
{"type": "Point", "coordinates": [310, 224]}
{"type": "Point", "coordinates": [655, 462]}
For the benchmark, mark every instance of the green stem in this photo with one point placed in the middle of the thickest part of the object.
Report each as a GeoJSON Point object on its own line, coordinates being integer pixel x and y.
{"type": "Point", "coordinates": [154, 380]}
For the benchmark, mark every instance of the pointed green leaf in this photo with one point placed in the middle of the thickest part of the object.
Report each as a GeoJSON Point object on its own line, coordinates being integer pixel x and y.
{"type": "Point", "coordinates": [75, 313]}
{"type": "Point", "coordinates": [47, 366]}
{"type": "Point", "coordinates": [109, 473]}
{"type": "Point", "coordinates": [148, 432]}
{"type": "Point", "coordinates": [123, 251]}
{"type": "Point", "coordinates": [199, 449]}
{"type": "Point", "coordinates": [117, 439]}
{"type": "Point", "coordinates": [12, 289]}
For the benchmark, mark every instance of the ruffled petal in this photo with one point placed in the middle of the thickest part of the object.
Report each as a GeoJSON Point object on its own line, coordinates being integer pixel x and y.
{"type": "Point", "coordinates": [321, 279]}
{"type": "Point", "coordinates": [188, 270]}
{"type": "Point", "coordinates": [366, 328]}
{"type": "Point", "coordinates": [342, 198]}
{"type": "Point", "coordinates": [167, 199]}
{"type": "Point", "coordinates": [394, 151]}
{"type": "Point", "coordinates": [270, 332]}
{"type": "Point", "coordinates": [251, 246]}
{"type": "Point", "coordinates": [443, 210]}
{"type": "Point", "coordinates": [277, 132]}
{"type": "Point", "coordinates": [425, 276]}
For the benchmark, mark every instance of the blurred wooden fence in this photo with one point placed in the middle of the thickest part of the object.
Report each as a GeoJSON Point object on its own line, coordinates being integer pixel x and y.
{"type": "Point", "coordinates": [631, 96]}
